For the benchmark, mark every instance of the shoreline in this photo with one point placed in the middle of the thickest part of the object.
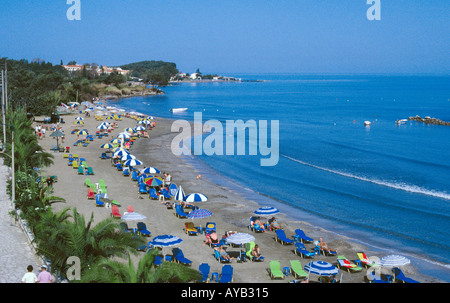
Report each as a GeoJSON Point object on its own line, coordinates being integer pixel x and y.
{"type": "Point", "coordinates": [230, 210]}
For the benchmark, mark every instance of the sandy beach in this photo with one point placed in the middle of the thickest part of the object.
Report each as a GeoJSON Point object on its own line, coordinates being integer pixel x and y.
{"type": "Point", "coordinates": [231, 212]}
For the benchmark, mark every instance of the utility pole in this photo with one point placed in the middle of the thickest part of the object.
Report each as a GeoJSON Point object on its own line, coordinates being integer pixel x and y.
{"type": "Point", "coordinates": [3, 109]}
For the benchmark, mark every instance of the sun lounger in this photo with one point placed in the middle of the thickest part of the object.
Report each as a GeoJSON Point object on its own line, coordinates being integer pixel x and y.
{"type": "Point", "coordinates": [220, 258]}
{"type": "Point", "coordinates": [134, 175]}
{"type": "Point", "coordinates": [180, 258]}
{"type": "Point", "coordinates": [301, 237]}
{"type": "Point", "coordinates": [204, 269]}
{"type": "Point", "coordinates": [227, 274]}
{"type": "Point", "coordinates": [344, 263]}
{"type": "Point", "coordinates": [124, 227]}
{"type": "Point", "coordinates": [75, 165]}
{"type": "Point", "coordinates": [281, 237]}
{"type": "Point", "coordinates": [179, 212]}
{"type": "Point", "coordinates": [119, 166]}
{"type": "Point", "coordinates": [252, 226]}
{"type": "Point", "coordinates": [152, 194]}
{"type": "Point", "coordinates": [126, 172]}
{"type": "Point", "coordinates": [373, 278]}
{"type": "Point", "coordinates": [300, 250]}
{"type": "Point", "coordinates": [75, 156]}
{"type": "Point", "coordinates": [275, 270]}
{"type": "Point", "coordinates": [97, 201]}
{"type": "Point", "coordinates": [80, 170]}
{"type": "Point", "coordinates": [190, 229]}
{"type": "Point", "coordinates": [142, 229]}
{"type": "Point", "coordinates": [115, 212]}
{"type": "Point", "coordinates": [248, 252]}
{"type": "Point", "coordinates": [210, 227]}
{"type": "Point", "coordinates": [143, 188]}
{"type": "Point", "coordinates": [159, 260]}
{"type": "Point", "coordinates": [297, 269]}
{"type": "Point", "coordinates": [400, 276]}
{"type": "Point", "coordinates": [91, 194]}
{"type": "Point", "coordinates": [364, 261]}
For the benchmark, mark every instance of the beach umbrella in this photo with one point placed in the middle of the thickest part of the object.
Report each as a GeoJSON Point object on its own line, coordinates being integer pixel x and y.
{"type": "Point", "coordinates": [107, 146]}
{"type": "Point", "coordinates": [150, 170]}
{"type": "Point", "coordinates": [138, 128]}
{"type": "Point", "coordinates": [152, 182]}
{"type": "Point", "coordinates": [79, 122]}
{"type": "Point", "coordinates": [129, 129]}
{"type": "Point", "coordinates": [120, 152]}
{"type": "Point", "coordinates": [266, 211]}
{"type": "Point", "coordinates": [127, 157]}
{"type": "Point", "coordinates": [116, 141]}
{"type": "Point", "coordinates": [321, 268]}
{"type": "Point", "coordinates": [164, 241]}
{"type": "Point", "coordinates": [82, 133]}
{"type": "Point", "coordinates": [56, 134]}
{"type": "Point", "coordinates": [79, 118]}
{"type": "Point", "coordinates": [393, 261]}
{"type": "Point", "coordinates": [123, 135]}
{"type": "Point", "coordinates": [133, 162]}
{"type": "Point", "coordinates": [102, 126]}
{"type": "Point", "coordinates": [133, 216]}
{"type": "Point", "coordinates": [180, 194]}
{"type": "Point", "coordinates": [240, 238]}
{"type": "Point", "coordinates": [199, 213]}
{"type": "Point", "coordinates": [196, 197]}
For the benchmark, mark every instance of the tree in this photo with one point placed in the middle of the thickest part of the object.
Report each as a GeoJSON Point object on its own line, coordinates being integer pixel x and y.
{"type": "Point", "coordinates": [73, 62]}
{"type": "Point", "coordinates": [113, 271]}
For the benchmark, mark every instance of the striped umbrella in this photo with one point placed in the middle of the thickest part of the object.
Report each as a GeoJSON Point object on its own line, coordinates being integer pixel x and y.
{"type": "Point", "coordinates": [79, 118]}
{"type": "Point", "coordinates": [152, 182]}
{"type": "Point", "coordinates": [321, 268]}
{"type": "Point", "coordinates": [196, 197]}
{"type": "Point", "coordinates": [166, 241]}
{"type": "Point", "coordinates": [266, 211]}
{"type": "Point", "coordinates": [393, 261]}
{"type": "Point", "coordinates": [116, 141]}
{"type": "Point", "coordinates": [82, 133]}
{"type": "Point", "coordinates": [120, 152]}
{"type": "Point", "coordinates": [127, 157]}
{"type": "Point", "coordinates": [79, 122]}
{"type": "Point", "coordinates": [180, 194]}
{"type": "Point", "coordinates": [107, 146]}
{"type": "Point", "coordinates": [240, 238]}
{"type": "Point", "coordinates": [150, 170]}
{"type": "Point", "coordinates": [102, 126]}
{"type": "Point", "coordinates": [129, 129]}
{"type": "Point", "coordinates": [138, 128]}
{"type": "Point", "coordinates": [133, 162]}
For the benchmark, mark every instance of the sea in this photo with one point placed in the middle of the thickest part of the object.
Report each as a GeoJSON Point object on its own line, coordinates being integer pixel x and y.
{"type": "Point", "coordinates": [386, 185]}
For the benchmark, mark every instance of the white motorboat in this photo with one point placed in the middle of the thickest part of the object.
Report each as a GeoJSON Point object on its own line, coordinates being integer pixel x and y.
{"type": "Point", "coordinates": [367, 123]}
{"type": "Point", "coordinates": [178, 110]}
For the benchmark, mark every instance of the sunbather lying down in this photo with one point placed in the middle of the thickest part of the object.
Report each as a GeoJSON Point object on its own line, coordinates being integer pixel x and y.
{"type": "Point", "coordinates": [223, 253]}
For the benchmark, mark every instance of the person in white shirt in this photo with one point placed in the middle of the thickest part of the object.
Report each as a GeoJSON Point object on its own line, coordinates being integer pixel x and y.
{"type": "Point", "coordinates": [30, 276]}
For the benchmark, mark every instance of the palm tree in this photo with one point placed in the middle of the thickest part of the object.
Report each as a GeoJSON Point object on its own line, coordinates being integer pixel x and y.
{"type": "Point", "coordinates": [113, 271]}
{"type": "Point", "coordinates": [89, 243]}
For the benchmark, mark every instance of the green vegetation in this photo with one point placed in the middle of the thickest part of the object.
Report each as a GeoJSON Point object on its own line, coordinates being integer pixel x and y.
{"type": "Point", "coordinates": [40, 86]}
{"type": "Point", "coordinates": [61, 235]}
{"type": "Point", "coordinates": [157, 73]}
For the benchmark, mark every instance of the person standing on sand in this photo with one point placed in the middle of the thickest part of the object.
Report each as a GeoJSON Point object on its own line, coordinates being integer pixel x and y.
{"type": "Point", "coordinates": [30, 276]}
{"type": "Point", "coordinates": [44, 276]}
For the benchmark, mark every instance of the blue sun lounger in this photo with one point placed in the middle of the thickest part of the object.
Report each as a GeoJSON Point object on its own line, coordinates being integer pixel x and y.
{"type": "Point", "coordinates": [142, 229]}
{"type": "Point", "coordinates": [204, 269]}
{"type": "Point", "coordinates": [179, 212]}
{"type": "Point", "coordinates": [220, 258]}
{"type": "Point", "coordinates": [143, 188]}
{"type": "Point", "coordinates": [227, 274]}
{"type": "Point", "coordinates": [281, 237]}
{"type": "Point", "coordinates": [301, 237]}
{"type": "Point", "coordinates": [152, 194]}
{"type": "Point", "coordinates": [400, 276]}
{"type": "Point", "coordinates": [300, 250]}
{"type": "Point", "coordinates": [180, 258]}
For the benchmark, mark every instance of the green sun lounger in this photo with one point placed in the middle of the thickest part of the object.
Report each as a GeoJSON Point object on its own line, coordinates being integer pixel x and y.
{"type": "Point", "coordinates": [297, 269]}
{"type": "Point", "coordinates": [275, 269]}
{"type": "Point", "coordinates": [344, 263]}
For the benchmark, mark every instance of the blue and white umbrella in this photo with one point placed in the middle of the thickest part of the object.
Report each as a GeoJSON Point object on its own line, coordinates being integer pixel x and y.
{"type": "Point", "coordinates": [102, 126]}
{"type": "Point", "coordinates": [196, 197]}
{"type": "Point", "coordinates": [166, 241]}
{"type": "Point", "coordinates": [180, 194]}
{"type": "Point", "coordinates": [393, 261]}
{"type": "Point", "coordinates": [150, 170]}
{"type": "Point", "coordinates": [127, 157]}
{"type": "Point", "coordinates": [139, 128]}
{"type": "Point", "coordinates": [321, 268]}
{"type": "Point", "coordinates": [266, 211]}
{"type": "Point", "coordinates": [133, 216]}
{"type": "Point", "coordinates": [133, 162]}
{"type": "Point", "coordinates": [120, 153]}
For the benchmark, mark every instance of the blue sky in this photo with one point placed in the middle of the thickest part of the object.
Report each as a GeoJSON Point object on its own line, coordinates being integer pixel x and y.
{"type": "Point", "coordinates": [245, 36]}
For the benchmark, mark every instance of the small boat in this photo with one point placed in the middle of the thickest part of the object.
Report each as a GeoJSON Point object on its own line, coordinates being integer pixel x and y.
{"type": "Point", "coordinates": [178, 110]}
{"type": "Point", "coordinates": [401, 121]}
{"type": "Point", "coordinates": [367, 123]}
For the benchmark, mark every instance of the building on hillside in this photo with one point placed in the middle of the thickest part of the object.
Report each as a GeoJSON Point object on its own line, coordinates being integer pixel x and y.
{"type": "Point", "coordinates": [73, 68]}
